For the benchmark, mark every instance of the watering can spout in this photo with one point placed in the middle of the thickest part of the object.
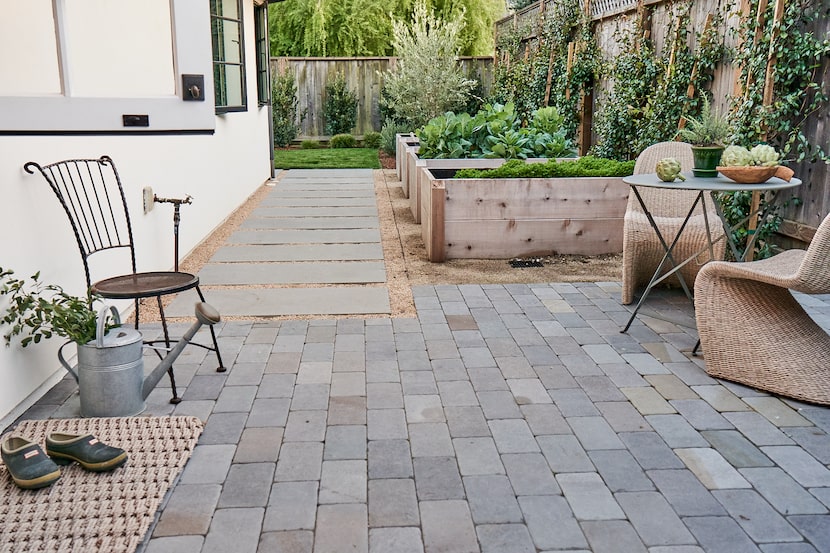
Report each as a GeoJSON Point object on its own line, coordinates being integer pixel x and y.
{"type": "Point", "coordinates": [205, 315]}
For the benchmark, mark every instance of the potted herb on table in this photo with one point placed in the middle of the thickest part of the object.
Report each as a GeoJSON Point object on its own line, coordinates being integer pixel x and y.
{"type": "Point", "coordinates": [707, 135]}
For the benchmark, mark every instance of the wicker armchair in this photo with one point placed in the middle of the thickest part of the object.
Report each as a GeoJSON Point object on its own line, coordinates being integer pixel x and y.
{"type": "Point", "coordinates": [754, 332]}
{"type": "Point", "coordinates": [642, 251]}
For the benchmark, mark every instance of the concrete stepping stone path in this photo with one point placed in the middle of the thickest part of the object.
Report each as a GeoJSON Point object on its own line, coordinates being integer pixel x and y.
{"type": "Point", "coordinates": [315, 227]}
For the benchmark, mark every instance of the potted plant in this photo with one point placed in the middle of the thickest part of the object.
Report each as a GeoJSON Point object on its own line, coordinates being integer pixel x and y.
{"type": "Point", "coordinates": [707, 134]}
{"type": "Point", "coordinates": [41, 311]}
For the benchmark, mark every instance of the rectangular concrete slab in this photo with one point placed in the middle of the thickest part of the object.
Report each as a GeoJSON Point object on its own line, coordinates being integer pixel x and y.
{"type": "Point", "coordinates": [274, 302]}
{"type": "Point", "coordinates": [355, 211]}
{"type": "Point", "coordinates": [315, 192]}
{"type": "Point", "coordinates": [304, 236]}
{"type": "Point", "coordinates": [305, 252]}
{"type": "Point", "coordinates": [348, 272]}
{"type": "Point", "coordinates": [312, 202]}
{"type": "Point", "coordinates": [329, 173]}
{"type": "Point", "coordinates": [310, 223]}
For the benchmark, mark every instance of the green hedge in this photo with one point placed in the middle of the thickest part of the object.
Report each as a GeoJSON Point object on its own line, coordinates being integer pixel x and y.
{"type": "Point", "coordinates": [587, 166]}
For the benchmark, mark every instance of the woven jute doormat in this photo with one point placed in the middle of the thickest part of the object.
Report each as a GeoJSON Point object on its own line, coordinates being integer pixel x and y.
{"type": "Point", "coordinates": [97, 512]}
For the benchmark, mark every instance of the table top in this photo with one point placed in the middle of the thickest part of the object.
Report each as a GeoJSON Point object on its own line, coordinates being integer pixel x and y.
{"type": "Point", "coordinates": [716, 184]}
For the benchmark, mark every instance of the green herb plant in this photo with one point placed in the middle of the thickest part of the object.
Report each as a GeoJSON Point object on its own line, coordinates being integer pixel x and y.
{"type": "Point", "coordinates": [709, 129]}
{"type": "Point", "coordinates": [587, 166]}
{"type": "Point", "coordinates": [39, 311]}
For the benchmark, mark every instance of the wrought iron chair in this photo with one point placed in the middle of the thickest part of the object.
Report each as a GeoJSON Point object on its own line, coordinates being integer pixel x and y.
{"type": "Point", "coordinates": [92, 196]}
{"type": "Point", "coordinates": [642, 250]}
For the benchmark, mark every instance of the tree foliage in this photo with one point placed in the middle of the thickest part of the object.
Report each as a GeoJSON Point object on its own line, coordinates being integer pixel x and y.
{"type": "Point", "coordinates": [427, 80]}
{"type": "Point", "coordinates": [364, 27]}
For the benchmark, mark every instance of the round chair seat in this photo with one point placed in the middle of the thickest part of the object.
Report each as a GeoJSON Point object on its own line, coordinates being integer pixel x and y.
{"type": "Point", "coordinates": [145, 285]}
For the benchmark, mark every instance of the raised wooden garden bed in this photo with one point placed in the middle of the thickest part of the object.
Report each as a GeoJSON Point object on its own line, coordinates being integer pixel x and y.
{"type": "Point", "coordinates": [518, 217]}
{"type": "Point", "coordinates": [402, 141]}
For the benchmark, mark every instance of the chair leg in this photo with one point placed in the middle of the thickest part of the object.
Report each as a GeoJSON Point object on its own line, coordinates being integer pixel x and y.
{"type": "Point", "coordinates": [221, 368]}
{"type": "Point", "coordinates": [175, 399]}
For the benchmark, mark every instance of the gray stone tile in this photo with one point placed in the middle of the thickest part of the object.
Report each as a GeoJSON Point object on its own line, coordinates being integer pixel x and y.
{"type": "Point", "coordinates": [209, 464]}
{"type": "Point", "coordinates": [189, 510]}
{"type": "Point", "coordinates": [800, 547]}
{"type": "Point", "coordinates": [530, 474]}
{"type": "Point", "coordinates": [399, 540]}
{"type": "Point", "coordinates": [685, 493]}
{"type": "Point", "coordinates": [292, 506]}
{"type": "Point", "coordinates": [600, 388]}
{"type": "Point", "coordinates": [491, 499]}
{"type": "Point", "coordinates": [423, 409]}
{"type": "Point", "coordinates": [305, 426]}
{"type": "Point", "coordinates": [758, 519]}
{"type": "Point", "coordinates": [477, 456]}
{"type": "Point", "coordinates": [720, 534]}
{"type": "Point", "coordinates": [342, 528]}
{"type": "Point", "coordinates": [343, 482]}
{"type": "Point", "coordinates": [465, 422]}
{"type": "Point", "coordinates": [736, 449]}
{"type": "Point", "coordinates": [513, 436]}
{"type": "Point", "coordinates": [437, 478]}
{"type": "Point", "coordinates": [347, 410]}
{"type": "Point", "coordinates": [505, 538]}
{"type": "Point", "coordinates": [654, 519]}
{"type": "Point", "coordinates": [487, 379]}
{"type": "Point", "coordinates": [448, 527]}
{"type": "Point", "coordinates": [545, 419]}
{"type": "Point", "coordinates": [299, 461]}
{"type": "Point", "coordinates": [814, 440]}
{"type": "Point", "coordinates": [611, 536]}
{"type": "Point", "coordinates": [551, 523]}
{"type": "Point", "coordinates": [701, 415]}
{"type": "Point", "coordinates": [529, 391]}
{"type": "Point", "coordinates": [258, 445]}
{"type": "Point", "coordinates": [799, 464]}
{"type": "Point", "coordinates": [418, 383]}
{"type": "Point", "coordinates": [247, 485]}
{"type": "Point", "coordinates": [676, 431]}
{"type": "Point", "coordinates": [345, 442]}
{"type": "Point", "coordinates": [393, 503]}
{"type": "Point", "coordinates": [386, 424]}
{"type": "Point", "coordinates": [310, 397]}
{"type": "Point", "coordinates": [384, 395]}
{"type": "Point", "coordinates": [595, 433]}
{"type": "Point", "coordinates": [619, 470]}
{"type": "Point", "coordinates": [457, 393]}
{"type": "Point", "coordinates": [784, 493]}
{"type": "Point", "coordinates": [588, 496]}
{"type": "Point", "coordinates": [430, 439]}
{"type": "Point", "coordinates": [711, 468]}
{"type": "Point", "coordinates": [757, 429]}
{"type": "Point", "coordinates": [816, 528]}
{"type": "Point", "coordinates": [276, 386]}
{"type": "Point", "coordinates": [564, 453]}
{"type": "Point", "coordinates": [297, 541]}
{"type": "Point", "coordinates": [268, 412]}
{"type": "Point", "coordinates": [573, 403]}
{"type": "Point", "coordinates": [390, 459]}
{"type": "Point", "coordinates": [234, 530]}
{"type": "Point", "coordinates": [175, 544]}
{"type": "Point", "coordinates": [650, 450]}
{"type": "Point", "coordinates": [776, 411]}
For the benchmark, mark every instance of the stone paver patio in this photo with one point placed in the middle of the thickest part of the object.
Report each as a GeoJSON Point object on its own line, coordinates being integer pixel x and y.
{"type": "Point", "coordinates": [501, 419]}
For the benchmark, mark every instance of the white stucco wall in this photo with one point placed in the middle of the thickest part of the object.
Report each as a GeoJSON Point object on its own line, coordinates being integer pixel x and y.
{"type": "Point", "coordinates": [220, 171]}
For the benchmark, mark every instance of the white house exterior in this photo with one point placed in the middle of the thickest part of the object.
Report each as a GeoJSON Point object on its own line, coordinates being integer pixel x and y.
{"type": "Point", "coordinates": [70, 71]}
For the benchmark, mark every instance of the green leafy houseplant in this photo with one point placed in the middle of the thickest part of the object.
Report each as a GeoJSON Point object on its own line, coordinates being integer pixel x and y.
{"type": "Point", "coordinates": [707, 134]}
{"type": "Point", "coordinates": [40, 311]}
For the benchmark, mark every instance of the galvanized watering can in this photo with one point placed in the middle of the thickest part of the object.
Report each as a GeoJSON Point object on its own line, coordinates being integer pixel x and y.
{"type": "Point", "coordinates": [110, 369]}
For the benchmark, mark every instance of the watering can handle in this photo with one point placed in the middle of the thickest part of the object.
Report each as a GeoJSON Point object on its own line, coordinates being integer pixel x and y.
{"type": "Point", "coordinates": [62, 359]}
{"type": "Point", "coordinates": [102, 323]}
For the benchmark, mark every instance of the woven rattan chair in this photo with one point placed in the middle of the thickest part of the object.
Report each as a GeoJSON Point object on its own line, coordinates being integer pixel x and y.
{"type": "Point", "coordinates": [753, 330]}
{"type": "Point", "coordinates": [91, 194]}
{"type": "Point", "coordinates": [642, 251]}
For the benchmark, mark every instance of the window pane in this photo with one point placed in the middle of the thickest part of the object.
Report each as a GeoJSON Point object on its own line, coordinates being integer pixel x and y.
{"type": "Point", "coordinates": [29, 64]}
{"type": "Point", "coordinates": [226, 41]}
{"type": "Point", "coordinates": [120, 49]}
{"type": "Point", "coordinates": [233, 85]}
{"type": "Point", "coordinates": [225, 8]}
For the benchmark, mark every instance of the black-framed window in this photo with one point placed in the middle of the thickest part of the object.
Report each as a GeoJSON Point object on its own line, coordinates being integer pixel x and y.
{"type": "Point", "coordinates": [261, 32]}
{"type": "Point", "coordinates": [228, 55]}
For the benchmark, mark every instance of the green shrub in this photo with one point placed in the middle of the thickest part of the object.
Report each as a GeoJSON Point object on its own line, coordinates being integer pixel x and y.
{"type": "Point", "coordinates": [343, 141]}
{"type": "Point", "coordinates": [286, 116]}
{"type": "Point", "coordinates": [496, 131]}
{"type": "Point", "coordinates": [340, 109]}
{"type": "Point", "coordinates": [388, 133]}
{"type": "Point", "coordinates": [587, 166]}
{"type": "Point", "coordinates": [371, 139]}
{"type": "Point", "coordinates": [427, 80]}
{"type": "Point", "coordinates": [309, 144]}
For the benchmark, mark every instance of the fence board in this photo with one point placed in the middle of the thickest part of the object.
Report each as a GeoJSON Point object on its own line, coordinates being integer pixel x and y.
{"type": "Point", "coordinates": [611, 15]}
{"type": "Point", "coordinates": [364, 76]}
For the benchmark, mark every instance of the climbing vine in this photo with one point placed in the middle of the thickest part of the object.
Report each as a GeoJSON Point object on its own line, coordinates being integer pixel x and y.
{"type": "Point", "coordinates": [650, 91]}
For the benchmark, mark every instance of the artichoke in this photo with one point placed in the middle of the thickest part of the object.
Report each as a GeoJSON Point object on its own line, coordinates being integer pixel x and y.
{"type": "Point", "coordinates": [765, 155]}
{"type": "Point", "coordinates": [668, 169]}
{"type": "Point", "coordinates": [736, 156]}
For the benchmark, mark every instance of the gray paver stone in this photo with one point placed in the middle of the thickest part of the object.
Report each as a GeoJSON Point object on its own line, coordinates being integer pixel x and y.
{"type": "Point", "coordinates": [437, 478]}
{"type": "Point", "coordinates": [342, 528]}
{"type": "Point", "coordinates": [595, 433]}
{"type": "Point", "coordinates": [711, 468]}
{"type": "Point", "coordinates": [530, 474]}
{"type": "Point", "coordinates": [799, 464]}
{"type": "Point", "coordinates": [247, 485]}
{"type": "Point", "coordinates": [588, 496]}
{"type": "Point", "coordinates": [292, 506]}
{"type": "Point", "coordinates": [447, 527]}
{"type": "Point", "coordinates": [258, 445]}
{"type": "Point", "coordinates": [513, 436]}
{"type": "Point", "coordinates": [430, 440]}
{"type": "Point", "coordinates": [189, 510]}
{"type": "Point", "coordinates": [612, 536]}
{"type": "Point", "coordinates": [175, 544]}
{"type": "Point", "coordinates": [564, 453]}
{"type": "Point", "coordinates": [298, 541]}
{"type": "Point", "coordinates": [620, 471]}
{"type": "Point", "coordinates": [654, 519]}
{"type": "Point", "coordinates": [676, 431]}
{"type": "Point", "coordinates": [505, 538]}
{"type": "Point", "coordinates": [345, 442]}
{"type": "Point", "coordinates": [685, 493]}
{"type": "Point", "coordinates": [758, 519]}
{"type": "Point", "coordinates": [386, 424]}
{"type": "Point", "coordinates": [393, 503]}
{"type": "Point", "coordinates": [477, 456]}
{"type": "Point", "coordinates": [299, 461]}
{"type": "Point", "coordinates": [736, 449]}
{"type": "Point", "coordinates": [720, 534]}
{"type": "Point", "coordinates": [399, 540]}
{"type": "Point", "coordinates": [234, 530]}
{"type": "Point", "coordinates": [784, 493]}
{"type": "Point", "coordinates": [551, 523]}
{"type": "Point", "coordinates": [465, 422]}
{"type": "Point", "coordinates": [390, 459]}
{"type": "Point", "coordinates": [209, 464]}
{"type": "Point", "coordinates": [491, 499]}
{"type": "Point", "coordinates": [343, 482]}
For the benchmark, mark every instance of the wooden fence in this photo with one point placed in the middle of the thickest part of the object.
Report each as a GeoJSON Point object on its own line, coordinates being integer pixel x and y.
{"type": "Point", "coordinates": [610, 15]}
{"type": "Point", "coordinates": [364, 76]}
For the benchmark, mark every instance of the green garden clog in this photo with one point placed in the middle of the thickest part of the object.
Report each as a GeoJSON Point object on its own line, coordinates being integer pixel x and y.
{"type": "Point", "coordinates": [28, 466]}
{"type": "Point", "coordinates": [86, 450]}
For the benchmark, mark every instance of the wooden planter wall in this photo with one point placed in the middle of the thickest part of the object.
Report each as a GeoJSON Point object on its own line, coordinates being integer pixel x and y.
{"type": "Point", "coordinates": [506, 218]}
{"type": "Point", "coordinates": [402, 141]}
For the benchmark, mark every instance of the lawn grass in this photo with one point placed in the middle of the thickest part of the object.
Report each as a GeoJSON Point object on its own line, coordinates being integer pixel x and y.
{"type": "Point", "coordinates": [327, 158]}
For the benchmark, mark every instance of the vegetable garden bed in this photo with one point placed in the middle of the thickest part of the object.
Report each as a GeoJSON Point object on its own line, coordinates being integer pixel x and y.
{"type": "Point", "coordinates": [519, 217]}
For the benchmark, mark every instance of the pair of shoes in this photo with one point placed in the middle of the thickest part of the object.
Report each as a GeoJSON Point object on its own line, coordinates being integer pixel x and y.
{"type": "Point", "coordinates": [31, 469]}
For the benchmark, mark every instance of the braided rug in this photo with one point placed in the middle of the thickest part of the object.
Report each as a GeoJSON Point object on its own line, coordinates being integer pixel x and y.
{"type": "Point", "coordinates": [97, 512]}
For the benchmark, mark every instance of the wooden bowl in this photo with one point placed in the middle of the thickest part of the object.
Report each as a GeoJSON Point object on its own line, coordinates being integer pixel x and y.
{"type": "Point", "coordinates": [748, 175]}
